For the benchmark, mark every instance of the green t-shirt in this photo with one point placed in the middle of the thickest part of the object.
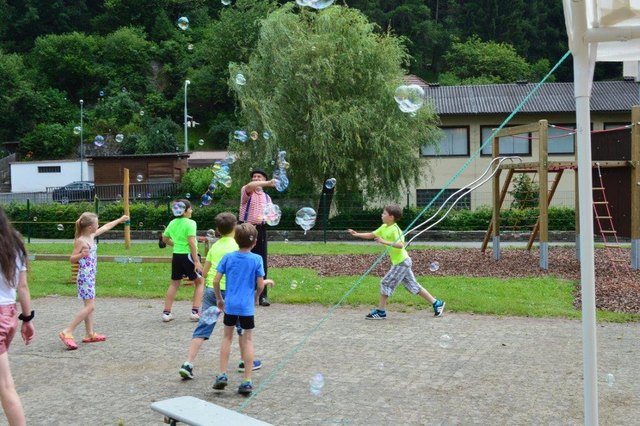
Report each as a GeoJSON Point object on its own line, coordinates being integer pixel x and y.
{"type": "Point", "coordinates": [393, 233]}
{"type": "Point", "coordinates": [217, 251]}
{"type": "Point", "coordinates": [179, 230]}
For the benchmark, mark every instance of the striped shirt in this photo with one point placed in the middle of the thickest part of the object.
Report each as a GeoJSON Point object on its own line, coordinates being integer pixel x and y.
{"type": "Point", "coordinates": [256, 201]}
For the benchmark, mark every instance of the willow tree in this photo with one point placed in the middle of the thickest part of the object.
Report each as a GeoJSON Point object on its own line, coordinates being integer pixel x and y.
{"type": "Point", "coordinates": [321, 83]}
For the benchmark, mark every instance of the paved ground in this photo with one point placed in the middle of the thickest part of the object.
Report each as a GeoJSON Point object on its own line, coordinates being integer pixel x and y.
{"type": "Point", "coordinates": [493, 370]}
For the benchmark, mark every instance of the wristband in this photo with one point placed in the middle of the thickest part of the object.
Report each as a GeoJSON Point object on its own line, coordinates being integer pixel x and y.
{"type": "Point", "coordinates": [22, 318]}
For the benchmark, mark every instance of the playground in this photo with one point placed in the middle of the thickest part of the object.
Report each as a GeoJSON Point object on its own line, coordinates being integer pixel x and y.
{"type": "Point", "coordinates": [510, 370]}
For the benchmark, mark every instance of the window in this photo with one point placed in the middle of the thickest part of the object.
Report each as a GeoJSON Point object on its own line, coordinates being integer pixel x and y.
{"type": "Point", "coordinates": [509, 145]}
{"type": "Point", "coordinates": [561, 139]}
{"type": "Point", "coordinates": [612, 126]}
{"type": "Point", "coordinates": [454, 143]}
{"type": "Point", "coordinates": [48, 169]}
{"type": "Point", "coordinates": [424, 197]}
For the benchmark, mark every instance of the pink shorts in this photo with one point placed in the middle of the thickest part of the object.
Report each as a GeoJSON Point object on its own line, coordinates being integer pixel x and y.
{"type": "Point", "coordinates": [8, 326]}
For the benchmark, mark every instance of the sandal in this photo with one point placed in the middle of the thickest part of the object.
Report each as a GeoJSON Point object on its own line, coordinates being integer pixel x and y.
{"type": "Point", "coordinates": [94, 338]}
{"type": "Point", "coordinates": [68, 340]}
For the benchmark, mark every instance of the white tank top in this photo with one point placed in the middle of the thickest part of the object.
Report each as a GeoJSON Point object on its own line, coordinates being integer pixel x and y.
{"type": "Point", "coordinates": [8, 293]}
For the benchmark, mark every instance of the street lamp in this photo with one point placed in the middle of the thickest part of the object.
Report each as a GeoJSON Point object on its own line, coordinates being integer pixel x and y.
{"type": "Point", "coordinates": [81, 140]}
{"type": "Point", "coordinates": [186, 141]}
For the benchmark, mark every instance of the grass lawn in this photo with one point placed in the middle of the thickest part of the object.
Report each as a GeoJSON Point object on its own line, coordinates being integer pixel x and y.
{"type": "Point", "coordinates": [534, 297]}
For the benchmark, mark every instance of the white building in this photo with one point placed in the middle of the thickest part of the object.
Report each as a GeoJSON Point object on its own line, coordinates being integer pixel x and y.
{"type": "Point", "coordinates": [36, 176]}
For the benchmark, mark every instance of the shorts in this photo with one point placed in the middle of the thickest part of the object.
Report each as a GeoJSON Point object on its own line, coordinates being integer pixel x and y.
{"type": "Point", "coordinates": [8, 326]}
{"type": "Point", "coordinates": [246, 323]}
{"type": "Point", "coordinates": [400, 273]}
{"type": "Point", "coordinates": [204, 330]}
{"type": "Point", "coordinates": [183, 266]}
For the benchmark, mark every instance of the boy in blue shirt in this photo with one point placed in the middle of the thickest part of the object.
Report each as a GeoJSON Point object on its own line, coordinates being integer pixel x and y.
{"type": "Point", "coordinates": [244, 272]}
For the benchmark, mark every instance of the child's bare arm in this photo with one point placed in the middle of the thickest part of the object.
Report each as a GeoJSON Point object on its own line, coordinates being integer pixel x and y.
{"type": "Point", "coordinates": [80, 250]}
{"type": "Point", "coordinates": [259, 288]}
{"type": "Point", "coordinates": [216, 289]}
{"type": "Point", "coordinates": [167, 240]}
{"type": "Point", "coordinates": [109, 226]}
{"type": "Point", "coordinates": [363, 235]}
{"type": "Point", "coordinates": [28, 331]}
{"type": "Point", "coordinates": [207, 266]}
{"type": "Point", "coordinates": [397, 244]}
{"type": "Point", "coordinates": [193, 248]}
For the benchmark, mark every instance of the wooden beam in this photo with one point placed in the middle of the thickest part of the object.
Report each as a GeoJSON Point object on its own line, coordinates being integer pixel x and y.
{"type": "Point", "coordinates": [635, 173]}
{"type": "Point", "coordinates": [512, 131]}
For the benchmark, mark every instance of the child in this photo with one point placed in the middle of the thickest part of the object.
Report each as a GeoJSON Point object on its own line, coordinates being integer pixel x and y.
{"type": "Point", "coordinates": [389, 234]}
{"type": "Point", "coordinates": [245, 281]}
{"type": "Point", "coordinates": [181, 234]}
{"type": "Point", "coordinates": [13, 277]}
{"type": "Point", "coordinates": [225, 227]}
{"type": "Point", "coordinates": [85, 255]}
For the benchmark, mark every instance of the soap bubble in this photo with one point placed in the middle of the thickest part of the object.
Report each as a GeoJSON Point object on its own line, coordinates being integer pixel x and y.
{"type": "Point", "coordinates": [211, 234]}
{"type": "Point", "coordinates": [240, 135]}
{"type": "Point", "coordinates": [60, 227]}
{"type": "Point", "coordinates": [140, 177]}
{"type": "Point", "coordinates": [77, 130]}
{"type": "Point", "coordinates": [189, 46]}
{"type": "Point", "coordinates": [271, 214]}
{"type": "Point", "coordinates": [330, 183]}
{"type": "Point", "coordinates": [226, 181]}
{"type": "Point", "coordinates": [319, 4]}
{"type": "Point", "coordinates": [294, 284]}
{"type": "Point", "coordinates": [201, 142]}
{"type": "Point", "coordinates": [226, 2]}
{"type": "Point", "coordinates": [178, 208]}
{"type": "Point", "coordinates": [212, 186]}
{"type": "Point", "coordinates": [306, 218]}
{"type": "Point", "coordinates": [183, 23]}
{"type": "Point", "coordinates": [302, 2]}
{"type": "Point", "coordinates": [140, 224]}
{"type": "Point", "coordinates": [119, 137]}
{"type": "Point", "coordinates": [610, 379]}
{"type": "Point", "coordinates": [101, 93]}
{"type": "Point", "coordinates": [410, 98]}
{"type": "Point", "coordinates": [230, 158]}
{"type": "Point", "coordinates": [445, 341]}
{"type": "Point", "coordinates": [148, 195]}
{"type": "Point", "coordinates": [35, 218]}
{"type": "Point", "coordinates": [119, 197]}
{"type": "Point", "coordinates": [435, 265]}
{"type": "Point", "coordinates": [99, 141]}
{"type": "Point", "coordinates": [187, 195]}
{"type": "Point", "coordinates": [240, 79]}
{"type": "Point", "coordinates": [266, 135]}
{"type": "Point", "coordinates": [139, 195]}
{"type": "Point", "coordinates": [141, 112]}
{"type": "Point", "coordinates": [316, 384]}
{"type": "Point", "coordinates": [206, 199]}
{"type": "Point", "coordinates": [254, 136]}
{"type": "Point", "coordinates": [64, 200]}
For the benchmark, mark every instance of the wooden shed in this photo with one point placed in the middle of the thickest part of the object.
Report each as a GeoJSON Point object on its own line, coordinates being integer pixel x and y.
{"type": "Point", "coordinates": [144, 168]}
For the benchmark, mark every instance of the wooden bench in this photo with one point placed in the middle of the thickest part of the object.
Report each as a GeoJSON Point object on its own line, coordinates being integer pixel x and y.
{"type": "Point", "coordinates": [196, 412]}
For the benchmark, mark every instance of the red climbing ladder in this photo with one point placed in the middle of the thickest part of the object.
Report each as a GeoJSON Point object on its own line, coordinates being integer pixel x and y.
{"type": "Point", "coordinates": [602, 215]}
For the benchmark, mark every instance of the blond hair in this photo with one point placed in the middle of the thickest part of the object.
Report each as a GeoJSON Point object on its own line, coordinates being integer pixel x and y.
{"type": "Point", "coordinates": [85, 220]}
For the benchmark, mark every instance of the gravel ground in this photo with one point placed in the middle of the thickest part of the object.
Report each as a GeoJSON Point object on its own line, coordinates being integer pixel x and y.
{"type": "Point", "coordinates": [617, 286]}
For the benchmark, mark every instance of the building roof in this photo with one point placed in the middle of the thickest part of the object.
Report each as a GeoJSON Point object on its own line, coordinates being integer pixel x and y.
{"type": "Point", "coordinates": [139, 156]}
{"type": "Point", "coordinates": [606, 96]}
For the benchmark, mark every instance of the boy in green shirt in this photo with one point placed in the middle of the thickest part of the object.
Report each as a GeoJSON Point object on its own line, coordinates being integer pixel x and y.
{"type": "Point", "coordinates": [390, 234]}
{"type": "Point", "coordinates": [225, 226]}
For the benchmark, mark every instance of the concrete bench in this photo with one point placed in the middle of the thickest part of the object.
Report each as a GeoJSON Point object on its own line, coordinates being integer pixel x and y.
{"type": "Point", "coordinates": [196, 412]}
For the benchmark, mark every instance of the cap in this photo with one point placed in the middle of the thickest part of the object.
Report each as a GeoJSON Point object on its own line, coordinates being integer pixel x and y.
{"type": "Point", "coordinates": [260, 171]}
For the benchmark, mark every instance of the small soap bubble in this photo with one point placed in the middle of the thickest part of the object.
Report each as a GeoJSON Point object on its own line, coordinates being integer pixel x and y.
{"type": "Point", "coordinates": [101, 93]}
{"type": "Point", "coordinates": [99, 141]}
{"type": "Point", "coordinates": [201, 142]}
{"type": "Point", "coordinates": [189, 46]}
{"type": "Point", "coordinates": [148, 195]}
{"type": "Point", "coordinates": [610, 379]}
{"type": "Point", "coordinates": [183, 23]}
{"type": "Point", "coordinates": [254, 135]}
{"type": "Point", "coordinates": [119, 137]}
{"type": "Point", "coordinates": [187, 195]}
{"type": "Point", "coordinates": [226, 2]}
{"type": "Point", "coordinates": [64, 200]}
{"type": "Point", "coordinates": [139, 195]}
{"type": "Point", "coordinates": [77, 130]}
{"type": "Point", "coordinates": [211, 234]}
{"type": "Point", "coordinates": [266, 135]}
{"type": "Point", "coordinates": [210, 315]}
{"type": "Point", "coordinates": [60, 227]}
{"type": "Point", "coordinates": [445, 341]}
{"type": "Point", "coordinates": [206, 199]}
{"type": "Point", "coordinates": [140, 224]}
{"type": "Point", "coordinates": [226, 181]}
{"type": "Point", "coordinates": [240, 135]}
{"type": "Point", "coordinates": [35, 218]}
{"type": "Point", "coordinates": [230, 159]}
{"type": "Point", "coordinates": [240, 79]}
{"type": "Point", "coordinates": [119, 197]}
{"type": "Point", "coordinates": [316, 384]}
{"type": "Point", "coordinates": [434, 266]}
{"type": "Point", "coordinates": [140, 177]}
{"type": "Point", "coordinates": [381, 366]}
{"type": "Point", "coordinates": [141, 112]}
{"type": "Point", "coordinates": [319, 4]}
{"type": "Point", "coordinates": [330, 183]}
{"type": "Point", "coordinates": [294, 284]}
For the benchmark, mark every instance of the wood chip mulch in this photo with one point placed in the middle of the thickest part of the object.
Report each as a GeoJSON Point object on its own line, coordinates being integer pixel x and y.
{"type": "Point", "coordinates": [617, 285]}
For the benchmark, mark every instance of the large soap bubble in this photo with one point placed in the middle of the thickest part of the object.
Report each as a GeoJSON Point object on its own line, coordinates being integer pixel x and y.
{"type": "Point", "coordinates": [183, 23]}
{"type": "Point", "coordinates": [410, 98]}
{"type": "Point", "coordinates": [330, 183]}
{"type": "Point", "coordinates": [240, 135]}
{"type": "Point", "coordinates": [282, 181]}
{"type": "Point", "coordinates": [119, 137]}
{"type": "Point", "coordinates": [206, 199]}
{"type": "Point", "coordinates": [306, 218]}
{"type": "Point", "coordinates": [271, 214]}
{"type": "Point", "coordinates": [77, 130]}
{"type": "Point", "coordinates": [99, 141]}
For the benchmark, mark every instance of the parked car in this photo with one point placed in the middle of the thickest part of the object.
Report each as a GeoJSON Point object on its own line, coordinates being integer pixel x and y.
{"type": "Point", "coordinates": [75, 191]}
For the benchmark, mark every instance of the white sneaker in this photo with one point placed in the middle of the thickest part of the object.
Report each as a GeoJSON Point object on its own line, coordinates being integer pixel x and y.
{"type": "Point", "coordinates": [167, 317]}
{"type": "Point", "coordinates": [194, 317]}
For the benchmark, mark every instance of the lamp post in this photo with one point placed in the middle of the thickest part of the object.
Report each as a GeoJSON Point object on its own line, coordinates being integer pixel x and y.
{"type": "Point", "coordinates": [186, 140]}
{"type": "Point", "coordinates": [81, 140]}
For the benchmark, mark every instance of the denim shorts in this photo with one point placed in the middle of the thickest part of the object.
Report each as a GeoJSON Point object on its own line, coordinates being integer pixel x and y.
{"type": "Point", "coordinates": [204, 330]}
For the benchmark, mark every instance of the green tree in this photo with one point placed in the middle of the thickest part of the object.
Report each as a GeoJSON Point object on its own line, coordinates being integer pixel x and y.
{"type": "Point", "coordinates": [478, 62]}
{"type": "Point", "coordinates": [322, 84]}
{"type": "Point", "coordinates": [48, 142]}
{"type": "Point", "coordinates": [125, 59]}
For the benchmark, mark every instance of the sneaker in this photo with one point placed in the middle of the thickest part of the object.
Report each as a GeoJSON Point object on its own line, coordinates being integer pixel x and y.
{"type": "Point", "coordinates": [264, 301]}
{"type": "Point", "coordinates": [194, 317]}
{"type": "Point", "coordinates": [167, 316]}
{"type": "Point", "coordinates": [438, 307]}
{"type": "Point", "coordinates": [376, 314]}
{"type": "Point", "coordinates": [221, 382]}
{"type": "Point", "coordinates": [186, 371]}
{"type": "Point", "coordinates": [257, 365]}
{"type": "Point", "coordinates": [245, 387]}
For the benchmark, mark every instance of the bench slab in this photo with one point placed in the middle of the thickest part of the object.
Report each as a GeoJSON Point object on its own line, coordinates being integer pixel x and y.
{"type": "Point", "coordinates": [196, 412]}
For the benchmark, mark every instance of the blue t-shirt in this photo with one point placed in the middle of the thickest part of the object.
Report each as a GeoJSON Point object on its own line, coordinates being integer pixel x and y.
{"type": "Point", "coordinates": [241, 270]}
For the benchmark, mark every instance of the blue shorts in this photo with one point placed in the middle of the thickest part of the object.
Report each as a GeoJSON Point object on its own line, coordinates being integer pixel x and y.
{"type": "Point", "coordinates": [204, 330]}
